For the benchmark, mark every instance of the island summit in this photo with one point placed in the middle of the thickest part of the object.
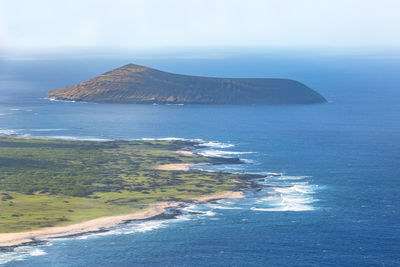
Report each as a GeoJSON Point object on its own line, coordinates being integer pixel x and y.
{"type": "Point", "coordinates": [135, 84]}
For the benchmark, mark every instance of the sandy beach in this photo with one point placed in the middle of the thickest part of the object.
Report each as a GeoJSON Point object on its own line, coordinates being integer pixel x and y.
{"type": "Point", "coordinates": [13, 239]}
{"type": "Point", "coordinates": [177, 166]}
{"type": "Point", "coordinates": [102, 223]}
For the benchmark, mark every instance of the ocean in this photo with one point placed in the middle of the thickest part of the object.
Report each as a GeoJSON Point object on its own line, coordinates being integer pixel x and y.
{"type": "Point", "coordinates": [331, 192]}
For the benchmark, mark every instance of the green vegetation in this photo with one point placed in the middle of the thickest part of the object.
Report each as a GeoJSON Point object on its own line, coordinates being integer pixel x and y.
{"type": "Point", "coordinates": [47, 182]}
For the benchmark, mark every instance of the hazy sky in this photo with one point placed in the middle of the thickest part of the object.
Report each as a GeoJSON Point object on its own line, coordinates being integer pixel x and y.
{"type": "Point", "coordinates": [161, 23]}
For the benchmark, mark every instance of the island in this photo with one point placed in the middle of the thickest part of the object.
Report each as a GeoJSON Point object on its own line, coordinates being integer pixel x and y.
{"type": "Point", "coordinates": [54, 187]}
{"type": "Point", "coordinates": [135, 84]}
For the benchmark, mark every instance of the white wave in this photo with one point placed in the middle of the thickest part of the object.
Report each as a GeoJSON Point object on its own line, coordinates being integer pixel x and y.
{"type": "Point", "coordinates": [7, 132]}
{"type": "Point", "coordinates": [274, 173]}
{"type": "Point", "coordinates": [220, 153]}
{"type": "Point", "coordinates": [15, 109]}
{"type": "Point", "coordinates": [287, 177]}
{"type": "Point", "coordinates": [248, 161]}
{"type": "Point", "coordinates": [20, 253]}
{"type": "Point", "coordinates": [222, 207]}
{"type": "Point", "coordinates": [3, 114]}
{"type": "Point", "coordinates": [216, 144]}
{"type": "Point", "coordinates": [169, 139]}
{"type": "Point", "coordinates": [195, 210]}
{"type": "Point", "coordinates": [295, 189]}
{"type": "Point", "coordinates": [304, 189]}
{"type": "Point", "coordinates": [209, 213]}
{"type": "Point", "coordinates": [296, 196]}
{"type": "Point", "coordinates": [125, 230]}
{"type": "Point", "coordinates": [279, 178]}
{"type": "Point", "coordinates": [58, 100]}
{"type": "Point", "coordinates": [190, 208]}
{"type": "Point", "coordinates": [148, 226]}
{"type": "Point", "coordinates": [267, 174]}
{"type": "Point", "coordinates": [131, 228]}
{"type": "Point", "coordinates": [286, 208]}
{"type": "Point", "coordinates": [37, 252]}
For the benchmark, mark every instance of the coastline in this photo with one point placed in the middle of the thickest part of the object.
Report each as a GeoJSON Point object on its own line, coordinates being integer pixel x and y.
{"type": "Point", "coordinates": [9, 240]}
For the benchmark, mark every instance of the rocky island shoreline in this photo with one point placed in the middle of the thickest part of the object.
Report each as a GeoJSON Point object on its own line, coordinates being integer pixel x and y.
{"type": "Point", "coordinates": [136, 84]}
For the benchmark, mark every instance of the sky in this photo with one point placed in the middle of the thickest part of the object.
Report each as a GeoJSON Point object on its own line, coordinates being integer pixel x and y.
{"type": "Point", "coordinates": [199, 23]}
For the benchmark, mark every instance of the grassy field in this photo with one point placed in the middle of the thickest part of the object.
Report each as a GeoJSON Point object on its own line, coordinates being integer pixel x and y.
{"type": "Point", "coordinates": [48, 182]}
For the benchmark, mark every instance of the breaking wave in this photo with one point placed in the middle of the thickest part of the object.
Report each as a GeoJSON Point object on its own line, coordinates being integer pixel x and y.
{"type": "Point", "coordinates": [216, 145]}
{"type": "Point", "coordinates": [220, 153]}
{"type": "Point", "coordinates": [187, 213]}
{"type": "Point", "coordinates": [7, 132]}
{"type": "Point", "coordinates": [286, 193]}
{"type": "Point", "coordinates": [21, 253]}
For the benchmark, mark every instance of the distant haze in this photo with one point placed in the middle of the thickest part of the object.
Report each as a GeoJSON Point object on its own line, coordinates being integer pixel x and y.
{"type": "Point", "coordinates": [165, 23]}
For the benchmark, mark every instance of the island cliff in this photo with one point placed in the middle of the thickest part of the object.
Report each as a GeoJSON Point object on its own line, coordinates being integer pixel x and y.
{"type": "Point", "coordinates": [139, 85]}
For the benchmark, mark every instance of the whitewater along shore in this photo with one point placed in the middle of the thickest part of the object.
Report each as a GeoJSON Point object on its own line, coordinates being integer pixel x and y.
{"type": "Point", "coordinates": [102, 223]}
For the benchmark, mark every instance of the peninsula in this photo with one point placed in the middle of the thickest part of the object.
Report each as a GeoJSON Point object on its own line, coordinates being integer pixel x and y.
{"type": "Point", "coordinates": [135, 84]}
{"type": "Point", "coordinates": [52, 187]}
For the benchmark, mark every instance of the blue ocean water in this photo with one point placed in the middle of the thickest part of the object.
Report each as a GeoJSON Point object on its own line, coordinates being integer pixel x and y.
{"type": "Point", "coordinates": [336, 202]}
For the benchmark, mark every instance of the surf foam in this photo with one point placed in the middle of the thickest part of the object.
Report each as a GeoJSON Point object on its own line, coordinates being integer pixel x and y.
{"type": "Point", "coordinates": [21, 253]}
{"type": "Point", "coordinates": [294, 195]}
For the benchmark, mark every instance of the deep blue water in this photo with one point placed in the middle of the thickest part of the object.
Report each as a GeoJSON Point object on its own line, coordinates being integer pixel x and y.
{"type": "Point", "coordinates": [340, 161]}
